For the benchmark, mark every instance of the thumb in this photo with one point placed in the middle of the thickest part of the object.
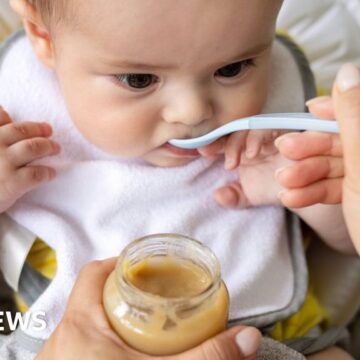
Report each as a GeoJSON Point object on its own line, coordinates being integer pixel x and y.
{"type": "Point", "coordinates": [237, 343]}
{"type": "Point", "coordinates": [347, 111]}
{"type": "Point", "coordinates": [321, 107]}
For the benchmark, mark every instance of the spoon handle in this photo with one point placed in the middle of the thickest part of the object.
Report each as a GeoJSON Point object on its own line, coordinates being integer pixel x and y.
{"type": "Point", "coordinates": [292, 121]}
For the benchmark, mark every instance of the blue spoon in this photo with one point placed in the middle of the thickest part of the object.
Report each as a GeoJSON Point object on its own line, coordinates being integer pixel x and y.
{"type": "Point", "coordinates": [289, 121]}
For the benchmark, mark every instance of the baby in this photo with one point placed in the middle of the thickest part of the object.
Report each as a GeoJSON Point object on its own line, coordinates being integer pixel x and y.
{"type": "Point", "coordinates": [117, 80]}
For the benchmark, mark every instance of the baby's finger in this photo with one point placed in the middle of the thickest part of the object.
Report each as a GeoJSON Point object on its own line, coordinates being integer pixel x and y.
{"type": "Point", "coordinates": [231, 196]}
{"type": "Point", "coordinates": [26, 151]}
{"type": "Point", "coordinates": [214, 149]}
{"type": "Point", "coordinates": [255, 140]}
{"type": "Point", "coordinates": [322, 107]}
{"type": "Point", "coordinates": [298, 146]}
{"type": "Point", "coordinates": [328, 191]}
{"type": "Point", "coordinates": [14, 132]}
{"type": "Point", "coordinates": [308, 171]}
{"type": "Point", "coordinates": [233, 149]}
{"type": "Point", "coordinates": [268, 149]}
{"type": "Point", "coordinates": [4, 117]}
{"type": "Point", "coordinates": [26, 179]}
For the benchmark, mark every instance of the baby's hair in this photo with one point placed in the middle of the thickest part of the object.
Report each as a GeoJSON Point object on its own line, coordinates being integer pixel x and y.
{"type": "Point", "coordinates": [51, 11]}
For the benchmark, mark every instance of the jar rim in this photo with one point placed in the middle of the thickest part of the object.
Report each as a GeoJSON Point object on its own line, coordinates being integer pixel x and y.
{"type": "Point", "coordinates": [143, 297]}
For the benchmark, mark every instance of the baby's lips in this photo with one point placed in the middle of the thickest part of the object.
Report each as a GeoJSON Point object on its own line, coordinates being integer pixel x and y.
{"type": "Point", "coordinates": [179, 151]}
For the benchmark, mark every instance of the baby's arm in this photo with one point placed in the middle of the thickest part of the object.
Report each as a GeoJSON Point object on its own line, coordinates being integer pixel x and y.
{"type": "Point", "coordinates": [20, 144]}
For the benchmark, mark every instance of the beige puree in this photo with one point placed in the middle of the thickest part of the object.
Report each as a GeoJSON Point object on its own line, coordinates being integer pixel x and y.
{"type": "Point", "coordinates": [164, 328]}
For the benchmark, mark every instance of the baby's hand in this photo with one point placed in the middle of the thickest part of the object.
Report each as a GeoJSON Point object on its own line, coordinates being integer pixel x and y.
{"type": "Point", "coordinates": [257, 159]}
{"type": "Point", "coordinates": [20, 144]}
{"type": "Point", "coordinates": [242, 145]}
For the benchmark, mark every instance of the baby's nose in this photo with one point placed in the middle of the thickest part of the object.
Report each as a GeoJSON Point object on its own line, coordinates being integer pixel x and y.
{"type": "Point", "coordinates": [189, 108]}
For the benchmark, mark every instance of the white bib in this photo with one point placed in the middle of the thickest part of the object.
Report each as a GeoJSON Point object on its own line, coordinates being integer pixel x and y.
{"type": "Point", "coordinates": [97, 204]}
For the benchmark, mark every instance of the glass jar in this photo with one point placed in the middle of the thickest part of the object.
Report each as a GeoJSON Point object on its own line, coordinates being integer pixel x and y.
{"type": "Point", "coordinates": [166, 295]}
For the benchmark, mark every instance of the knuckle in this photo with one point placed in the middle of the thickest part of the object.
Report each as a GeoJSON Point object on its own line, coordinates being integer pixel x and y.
{"type": "Point", "coordinates": [8, 191]}
{"type": "Point", "coordinates": [352, 103]}
{"type": "Point", "coordinates": [34, 146]}
{"type": "Point", "coordinates": [212, 350]}
{"type": "Point", "coordinates": [37, 174]}
{"type": "Point", "coordinates": [92, 266]}
{"type": "Point", "coordinates": [21, 129]}
{"type": "Point", "coordinates": [6, 166]}
{"type": "Point", "coordinates": [92, 269]}
{"type": "Point", "coordinates": [73, 319]}
{"type": "Point", "coordinates": [237, 139]}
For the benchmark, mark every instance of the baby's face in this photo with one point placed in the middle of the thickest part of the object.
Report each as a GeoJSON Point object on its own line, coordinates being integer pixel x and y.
{"type": "Point", "coordinates": [137, 73]}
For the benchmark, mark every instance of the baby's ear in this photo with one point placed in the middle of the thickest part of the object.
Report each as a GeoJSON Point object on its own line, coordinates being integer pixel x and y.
{"type": "Point", "coordinates": [36, 30]}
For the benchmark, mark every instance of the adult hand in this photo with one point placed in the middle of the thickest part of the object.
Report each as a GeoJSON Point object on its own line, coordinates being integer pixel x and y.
{"type": "Point", "coordinates": [327, 167]}
{"type": "Point", "coordinates": [84, 332]}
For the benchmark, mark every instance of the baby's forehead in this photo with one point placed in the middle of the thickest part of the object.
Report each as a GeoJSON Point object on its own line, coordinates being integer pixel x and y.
{"type": "Point", "coordinates": [74, 9]}
{"type": "Point", "coordinates": [179, 30]}
{"type": "Point", "coordinates": [157, 18]}
{"type": "Point", "coordinates": [164, 9]}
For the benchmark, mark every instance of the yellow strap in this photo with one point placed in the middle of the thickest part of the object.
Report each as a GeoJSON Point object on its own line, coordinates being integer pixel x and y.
{"type": "Point", "coordinates": [310, 315]}
{"type": "Point", "coordinates": [42, 258]}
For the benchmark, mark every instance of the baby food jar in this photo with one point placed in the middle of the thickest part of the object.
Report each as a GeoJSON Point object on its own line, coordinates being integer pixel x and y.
{"type": "Point", "coordinates": [166, 294]}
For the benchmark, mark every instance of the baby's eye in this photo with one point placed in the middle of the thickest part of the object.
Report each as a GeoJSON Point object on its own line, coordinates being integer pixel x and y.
{"type": "Point", "coordinates": [234, 69]}
{"type": "Point", "coordinates": [137, 81]}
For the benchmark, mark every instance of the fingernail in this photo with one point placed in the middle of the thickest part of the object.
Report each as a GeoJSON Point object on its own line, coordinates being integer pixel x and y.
{"type": "Point", "coordinates": [281, 194]}
{"type": "Point", "coordinates": [278, 140]}
{"type": "Point", "coordinates": [348, 77]}
{"type": "Point", "coordinates": [283, 137]}
{"type": "Point", "coordinates": [248, 341]}
{"type": "Point", "coordinates": [278, 171]}
{"type": "Point", "coordinates": [46, 128]}
{"type": "Point", "coordinates": [317, 100]}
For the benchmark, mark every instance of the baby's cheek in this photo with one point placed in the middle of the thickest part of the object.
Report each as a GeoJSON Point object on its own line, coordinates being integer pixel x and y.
{"type": "Point", "coordinates": [112, 137]}
{"type": "Point", "coordinates": [252, 104]}
{"type": "Point", "coordinates": [257, 91]}
{"type": "Point", "coordinates": [249, 101]}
